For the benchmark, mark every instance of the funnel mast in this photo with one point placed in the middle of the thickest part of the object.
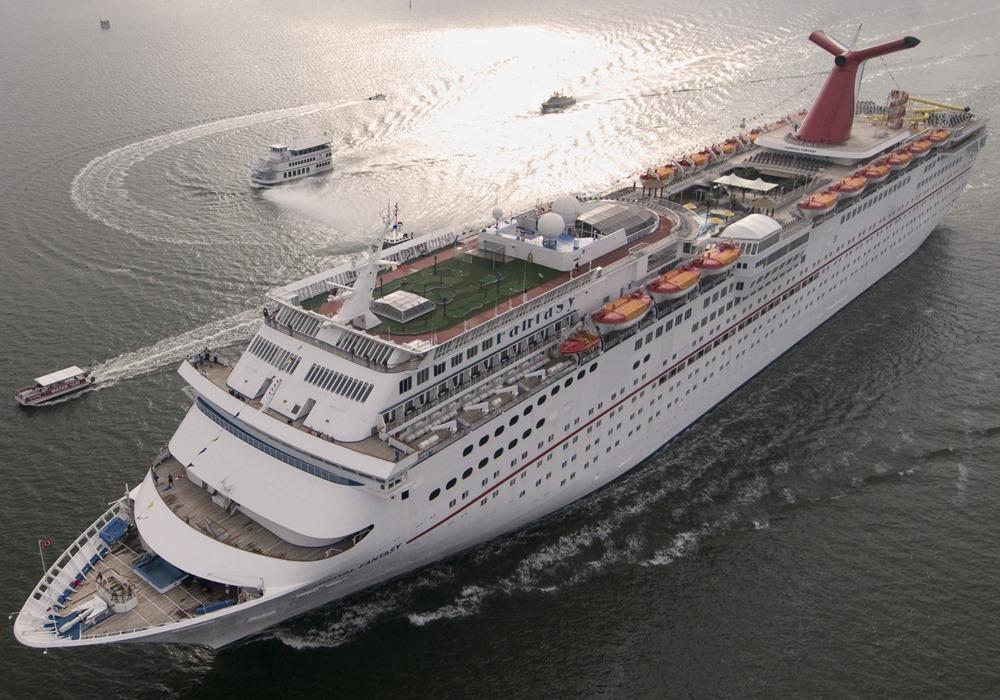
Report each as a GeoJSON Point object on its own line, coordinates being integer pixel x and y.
{"type": "Point", "coordinates": [830, 118]}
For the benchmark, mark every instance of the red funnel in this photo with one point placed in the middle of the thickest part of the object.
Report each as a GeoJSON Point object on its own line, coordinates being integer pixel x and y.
{"type": "Point", "coordinates": [830, 118]}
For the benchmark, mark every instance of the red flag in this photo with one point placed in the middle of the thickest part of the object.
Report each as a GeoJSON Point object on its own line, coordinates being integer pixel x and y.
{"type": "Point", "coordinates": [45, 543]}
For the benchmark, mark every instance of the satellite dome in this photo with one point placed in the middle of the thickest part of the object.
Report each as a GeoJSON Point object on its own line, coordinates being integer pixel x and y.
{"type": "Point", "coordinates": [568, 208]}
{"type": "Point", "coordinates": [497, 213]}
{"type": "Point", "coordinates": [550, 225]}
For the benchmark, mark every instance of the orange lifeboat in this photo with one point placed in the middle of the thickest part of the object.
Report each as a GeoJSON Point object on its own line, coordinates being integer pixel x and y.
{"type": "Point", "coordinates": [939, 137]}
{"type": "Point", "coordinates": [819, 203]}
{"type": "Point", "coordinates": [666, 172]}
{"type": "Point", "coordinates": [730, 146]}
{"type": "Point", "coordinates": [898, 160]}
{"type": "Point", "coordinates": [754, 133]}
{"type": "Point", "coordinates": [920, 148]}
{"type": "Point", "coordinates": [851, 186]}
{"type": "Point", "coordinates": [876, 172]}
{"type": "Point", "coordinates": [718, 258]}
{"type": "Point", "coordinates": [674, 284]}
{"type": "Point", "coordinates": [697, 160]}
{"type": "Point", "coordinates": [623, 313]}
{"type": "Point", "coordinates": [580, 342]}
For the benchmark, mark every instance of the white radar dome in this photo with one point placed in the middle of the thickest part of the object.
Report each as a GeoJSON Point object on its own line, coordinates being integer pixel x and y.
{"type": "Point", "coordinates": [497, 213]}
{"type": "Point", "coordinates": [568, 208]}
{"type": "Point", "coordinates": [550, 225]}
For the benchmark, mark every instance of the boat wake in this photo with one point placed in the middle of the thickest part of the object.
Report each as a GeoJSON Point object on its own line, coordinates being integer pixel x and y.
{"type": "Point", "coordinates": [99, 190]}
{"type": "Point", "coordinates": [169, 351]}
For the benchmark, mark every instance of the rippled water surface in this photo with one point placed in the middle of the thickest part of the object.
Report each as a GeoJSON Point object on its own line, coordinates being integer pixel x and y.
{"type": "Point", "coordinates": [830, 530]}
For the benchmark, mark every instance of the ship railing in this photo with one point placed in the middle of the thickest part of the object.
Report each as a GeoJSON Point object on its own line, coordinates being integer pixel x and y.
{"type": "Point", "coordinates": [404, 366]}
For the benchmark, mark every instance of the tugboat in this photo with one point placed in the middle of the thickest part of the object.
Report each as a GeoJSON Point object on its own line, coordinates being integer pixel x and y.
{"type": "Point", "coordinates": [558, 101]}
{"type": "Point", "coordinates": [52, 386]}
{"type": "Point", "coordinates": [377, 97]}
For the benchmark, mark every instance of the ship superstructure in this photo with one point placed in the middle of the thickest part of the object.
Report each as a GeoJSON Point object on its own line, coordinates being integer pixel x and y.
{"type": "Point", "coordinates": [431, 396]}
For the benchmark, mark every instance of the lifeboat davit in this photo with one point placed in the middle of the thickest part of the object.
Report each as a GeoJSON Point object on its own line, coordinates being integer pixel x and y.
{"type": "Point", "coordinates": [674, 284]}
{"type": "Point", "coordinates": [939, 137]}
{"type": "Point", "coordinates": [717, 259]}
{"type": "Point", "coordinates": [877, 172]}
{"type": "Point", "coordinates": [898, 160]}
{"type": "Point", "coordinates": [851, 186]}
{"type": "Point", "coordinates": [650, 180]}
{"type": "Point", "coordinates": [623, 313]}
{"type": "Point", "coordinates": [580, 342]}
{"type": "Point", "coordinates": [920, 148]}
{"type": "Point", "coordinates": [819, 203]}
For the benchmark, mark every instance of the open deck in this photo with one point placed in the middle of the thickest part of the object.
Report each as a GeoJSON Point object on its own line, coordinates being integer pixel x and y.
{"type": "Point", "coordinates": [195, 506]}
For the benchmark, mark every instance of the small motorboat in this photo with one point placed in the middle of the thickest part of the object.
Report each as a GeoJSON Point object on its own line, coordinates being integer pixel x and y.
{"type": "Point", "coordinates": [898, 160]}
{"type": "Point", "coordinates": [377, 97]}
{"type": "Point", "coordinates": [558, 100]}
{"type": "Point", "coordinates": [877, 172]}
{"type": "Point", "coordinates": [920, 148]}
{"type": "Point", "coordinates": [851, 186]}
{"type": "Point", "coordinates": [623, 313]}
{"type": "Point", "coordinates": [674, 284]}
{"type": "Point", "coordinates": [52, 386]}
{"type": "Point", "coordinates": [718, 258]}
{"type": "Point", "coordinates": [582, 341]}
{"type": "Point", "coordinates": [939, 137]}
{"type": "Point", "coordinates": [819, 203]}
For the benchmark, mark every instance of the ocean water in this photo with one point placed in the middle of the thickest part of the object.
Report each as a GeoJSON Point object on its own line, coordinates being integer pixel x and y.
{"type": "Point", "coordinates": [830, 530]}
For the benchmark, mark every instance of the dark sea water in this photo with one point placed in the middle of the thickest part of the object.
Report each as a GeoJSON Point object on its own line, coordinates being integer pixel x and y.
{"type": "Point", "coordinates": [831, 530]}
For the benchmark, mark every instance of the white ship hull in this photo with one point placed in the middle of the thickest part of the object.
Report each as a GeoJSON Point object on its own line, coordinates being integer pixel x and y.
{"type": "Point", "coordinates": [608, 420]}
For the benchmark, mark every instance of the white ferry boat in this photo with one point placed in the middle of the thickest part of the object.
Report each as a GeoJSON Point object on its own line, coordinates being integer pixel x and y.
{"type": "Point", "coordinates": [51, 386]}
{"type": "Point", "coordinates": [382, 419]}
{"type": "Point", "coordinates": [289, 163]}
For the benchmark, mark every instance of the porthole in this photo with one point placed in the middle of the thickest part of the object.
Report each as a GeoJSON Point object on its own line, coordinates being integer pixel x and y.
{"type": "Point", "coordinates": [514, 420]}
{"type": "Point", "coordinates": [467, 451]}
{"type": "Point", "coordinates": [451, 483]}
{"type": "Point", "coordinates": [467, 473]}
{"type": "Point", "coordinates": [496, 455]}
{"type": "Point", "coordinates": [568, 382]}
{"type": "Point", "coordinates": [512, 444]}
{"type": "Point", "coordinates": [434, 494]}
{"type": "Point", "coordinates": [498, 432]}
{"type": "Point", "coordinates": [483, 440]}
{"type": "Point", "coordinates": [635, 365]}
{"type": "Point", "coordinates": [528, 409]}
{"type": "Point", "coordinates": [483, 462]}
{"type": "Point", "coordinates": [542, 399]}
{"type": "Point", "coordinates": [540, 423]}
{"type": "Point", "coordinates": [525, 434]}
{"type": "Point", "coordinates": [555, 390]}
{"type": "Point", "coordinates": [581, 374]}
{"type": "Point", "coordinates": [593, 368]}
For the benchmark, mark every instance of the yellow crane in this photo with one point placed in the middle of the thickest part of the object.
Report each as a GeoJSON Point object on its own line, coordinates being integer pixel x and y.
{"type": "Point", "coordinates": [941, 105]}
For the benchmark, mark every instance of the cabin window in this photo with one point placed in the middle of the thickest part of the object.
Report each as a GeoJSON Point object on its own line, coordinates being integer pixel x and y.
{"type": "Point", "coordinates": [405, 385]}
{"type": "Point", "coordinates": [434, 494]}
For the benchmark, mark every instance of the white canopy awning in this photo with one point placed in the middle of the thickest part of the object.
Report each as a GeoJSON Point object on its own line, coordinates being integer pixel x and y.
{"type": "Point", "coordinates": [59, 376]}
{"type": "Point", "coordinates": [757, 185]}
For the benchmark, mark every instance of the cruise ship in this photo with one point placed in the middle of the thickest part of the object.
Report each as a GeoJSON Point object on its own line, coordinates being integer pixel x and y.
{"type": "Point", "coordinates": [283, 164]}
{"type": "Point", "coordinates": [428, 397]}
